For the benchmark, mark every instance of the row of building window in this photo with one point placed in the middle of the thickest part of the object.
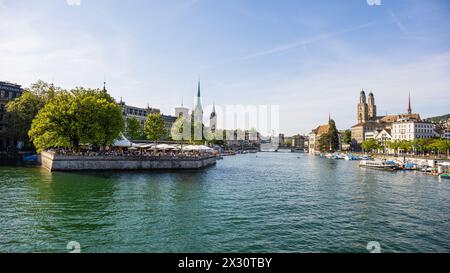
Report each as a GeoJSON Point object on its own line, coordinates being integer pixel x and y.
{"type": "Point", "coordinates": [412, 125]}
{"type": "Point", "coordinates": [430, 131]}
{"type": "Point", "coordinates": [9, 95]}
{"type": "Point", "coordinates": [136, 112]}
{"type": "Point", "coordinates": [412, 137]}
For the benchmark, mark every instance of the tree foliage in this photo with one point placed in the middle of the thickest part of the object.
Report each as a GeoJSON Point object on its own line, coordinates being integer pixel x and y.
{"type": "Point", "coordinates": [134, 129]}
{"type": "Point", "coordinates": [419, 146]}
{"type": "Point", "coordinates": [82, 116]}
{"type": "Point", "coordinates": [22, 110]}
{"type": "Point", "coordinates": [154, 127]}
{"type": "Point", "coordinates": [347, 137]}
{"type": "Point", "coordinates": [370, 145]}
{"type": "Point", "coordinates": [329, 142]}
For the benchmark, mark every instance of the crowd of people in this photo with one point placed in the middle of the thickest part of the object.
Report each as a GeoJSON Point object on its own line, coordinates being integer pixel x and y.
{"type": "Point", "coordinates": [138, 153]}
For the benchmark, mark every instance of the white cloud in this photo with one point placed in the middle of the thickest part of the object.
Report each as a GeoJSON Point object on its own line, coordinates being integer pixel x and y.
{"type": "Point", "coordinates": [306, 101]}
{"type": "Point", "coordinates": [73, 2]}
{"type": "Point", "coordinates": [32, 50]}
{"type": "Point", "coordinates": [374, 2]}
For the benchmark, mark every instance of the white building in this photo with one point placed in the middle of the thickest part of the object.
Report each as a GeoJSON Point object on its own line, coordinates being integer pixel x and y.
{"type": "Point", "coordinates": [446, 132]}
{"type": "Point", "coordinates": [408, 129]}
{"type": "Point", "coordinates": [384, 136]}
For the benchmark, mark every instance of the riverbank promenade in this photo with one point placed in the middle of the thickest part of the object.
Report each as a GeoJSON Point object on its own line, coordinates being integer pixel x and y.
{"type": "Point", "coordinates": [56, 162]}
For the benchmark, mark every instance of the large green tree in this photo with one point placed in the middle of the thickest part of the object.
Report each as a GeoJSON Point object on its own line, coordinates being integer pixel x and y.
{"type": "Point", "coordinates": [154, 128]}
{"type": "Point", "coordinates": [329, 142]}
{"type": "Point", "coordinates": [82, 116]}
{"type": "Point", "coordinates": [134, 129]}
{"type": "Point", "coordinates": [22, 111]}
{"type": "Point", "coordinates": [347, 137]}
{"type": "Point", "coordinates": [54, 124]}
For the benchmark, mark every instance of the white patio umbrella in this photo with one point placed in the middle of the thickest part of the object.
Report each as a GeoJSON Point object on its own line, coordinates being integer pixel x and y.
{"type": "Point", "coordinates": [122, 142]}
{"type": "Point", "coordinates": [204, 148]}
{"type": "Point", "coordinates": [189, 148]}
{"type": "Point", "coordinates": [148, 146]}
{"type": "Point", "coordinates": [165, 147]}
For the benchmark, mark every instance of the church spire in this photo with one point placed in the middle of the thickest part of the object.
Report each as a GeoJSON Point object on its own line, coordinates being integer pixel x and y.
{"type": "Point", "coordinates": [199, 93]}
{"type": "Point", "coordinates": [213, 113]}
{"type": "Point", "coordinates": [409, 105]}
{"type": "Point", "coordinates": [198, 106]}
{"type": "Point", "coordinates": [104, 86]}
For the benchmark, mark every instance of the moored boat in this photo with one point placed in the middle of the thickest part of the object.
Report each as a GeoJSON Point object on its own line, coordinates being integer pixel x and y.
{"type": "Point", "coordinates": [379, 165]}
{"type": "Point", "coordinates": [350, 157]}
{"type": "Point", "coordinates": [445, 176]}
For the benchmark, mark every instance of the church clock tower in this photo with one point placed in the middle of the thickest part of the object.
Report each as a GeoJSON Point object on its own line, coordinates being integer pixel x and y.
{"type": "Point", "coordinates": [372, 107]}
{"type": "Point", "coordinates": [363, 108]}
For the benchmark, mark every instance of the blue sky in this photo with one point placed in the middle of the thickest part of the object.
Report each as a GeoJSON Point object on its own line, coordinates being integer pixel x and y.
{"type": "Point", "coordinates": [308, 57]}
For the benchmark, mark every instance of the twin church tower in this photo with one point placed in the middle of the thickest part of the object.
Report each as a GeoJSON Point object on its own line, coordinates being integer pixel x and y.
{"type": "Point", "coordinates": [366, 111]}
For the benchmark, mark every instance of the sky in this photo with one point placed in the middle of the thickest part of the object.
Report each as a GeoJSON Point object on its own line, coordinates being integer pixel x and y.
{"type": "Point", "coordinates": [310, 58]}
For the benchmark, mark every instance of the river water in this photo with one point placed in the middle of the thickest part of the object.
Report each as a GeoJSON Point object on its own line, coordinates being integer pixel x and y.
{"type": "Point", "coordinates": [268, 202]}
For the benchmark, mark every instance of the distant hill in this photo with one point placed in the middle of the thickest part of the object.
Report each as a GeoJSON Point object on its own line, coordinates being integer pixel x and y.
{"type": "Point", "coordinates": [439, 119]}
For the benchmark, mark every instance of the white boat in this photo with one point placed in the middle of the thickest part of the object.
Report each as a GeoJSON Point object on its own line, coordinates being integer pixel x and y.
{"type": "Point", "coordinates": [339, 156]}
{"type": "Point", "coordinates": [350, 157]}
{"type": "Point", "coordinates": [379, 165]}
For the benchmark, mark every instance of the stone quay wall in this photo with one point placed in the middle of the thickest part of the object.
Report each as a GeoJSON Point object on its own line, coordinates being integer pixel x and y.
{"type": "Point", "coordinates": [53, 162]}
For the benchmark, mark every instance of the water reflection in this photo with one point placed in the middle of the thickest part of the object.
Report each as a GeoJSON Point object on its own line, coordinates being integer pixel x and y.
{"type": "Point", "coordinates": [263, 203]}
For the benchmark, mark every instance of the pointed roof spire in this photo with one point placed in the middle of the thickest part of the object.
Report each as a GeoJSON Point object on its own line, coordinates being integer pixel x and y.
{"type": "Point", "coordinates": [213, 113]}
{"type": "Point", "coordinates": [409, 104]}
{"type": "Point", "coordinates": [198, 106]}
{"type": "Point", "coordinates": [199, 93]}
{"type": "Point", "coordinates": [104, 86]}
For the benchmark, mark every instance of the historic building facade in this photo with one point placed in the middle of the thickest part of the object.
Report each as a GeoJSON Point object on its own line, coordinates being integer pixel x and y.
{"type": "Point", "coordinates": [411, 129]}
{"type": "Point", "coordinates": [298, 142]}
{"type": "Point", "coordinates": [141, 114]}
{"type": "Point", "coordinates": [314, 138]}
{"type": "Point", "coordinates": [446, 131]}
{"type": "Point", "coordinates": [197, 114]}
{"type": "Point", "coordinates": [370, 124]}
{"type": "Point", "coordinates": [8, 92]}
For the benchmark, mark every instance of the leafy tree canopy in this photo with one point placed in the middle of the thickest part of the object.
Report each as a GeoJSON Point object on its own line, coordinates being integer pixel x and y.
{"type": "Point", "coordinates": [134, 129]}
{"type": "Point", "coordinates": [81, 116]}
{"type": "Point", "coordinates": [154, 127]}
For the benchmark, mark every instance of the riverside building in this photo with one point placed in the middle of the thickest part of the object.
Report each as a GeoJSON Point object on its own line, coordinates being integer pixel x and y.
{"type": "Point", "coordinates": [8, 92]}
{"type": "Point", "coordinates": [370, 124]}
